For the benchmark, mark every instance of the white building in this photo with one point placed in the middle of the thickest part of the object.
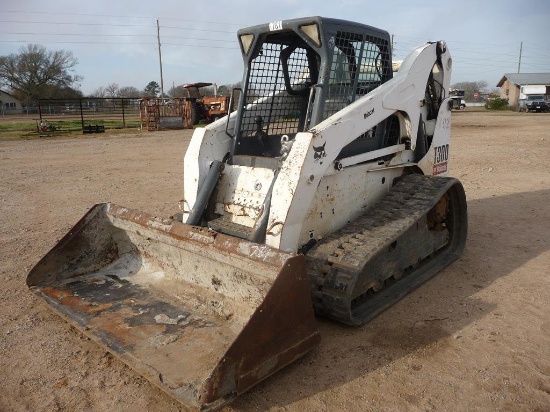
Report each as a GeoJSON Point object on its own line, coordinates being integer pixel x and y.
{"type": "Point", "coordinates": [9, 104]}
{"type": "Point", "coordinates": [514, 86]}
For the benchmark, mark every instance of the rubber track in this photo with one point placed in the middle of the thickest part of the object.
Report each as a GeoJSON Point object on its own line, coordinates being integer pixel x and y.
{"type": "Point", "coordinates": [336, 263]}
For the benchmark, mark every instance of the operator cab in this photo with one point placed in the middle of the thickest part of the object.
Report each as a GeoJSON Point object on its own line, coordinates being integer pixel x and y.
{"type": "Point", "coordinates": [300, 72]}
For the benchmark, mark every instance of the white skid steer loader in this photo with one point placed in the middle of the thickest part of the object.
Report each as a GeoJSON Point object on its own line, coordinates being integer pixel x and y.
{"type": "Point", "coordinates": [325, 191]}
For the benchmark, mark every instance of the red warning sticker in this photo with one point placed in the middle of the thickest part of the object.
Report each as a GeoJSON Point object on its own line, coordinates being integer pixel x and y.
{"type": "Point", "coordinates": [440, 168]}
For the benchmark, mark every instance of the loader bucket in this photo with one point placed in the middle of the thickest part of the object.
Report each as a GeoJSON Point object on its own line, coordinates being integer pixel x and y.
{"type": "Point", "coordinates": [202, 315]}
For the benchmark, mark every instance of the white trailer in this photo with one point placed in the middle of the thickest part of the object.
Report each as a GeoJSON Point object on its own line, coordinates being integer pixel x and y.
{"type": "Point", "coordinates": [530, 89]}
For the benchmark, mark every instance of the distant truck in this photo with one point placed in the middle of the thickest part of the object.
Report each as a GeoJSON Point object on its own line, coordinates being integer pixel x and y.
{"type": "Point", "coordinates": [534, 103]}
{"type": "Point", "coordinates": [457, 98]}
{"type": "Point", "coordinates": [458, 103]}
{"type": "Point", "coordinates": [533, 97]}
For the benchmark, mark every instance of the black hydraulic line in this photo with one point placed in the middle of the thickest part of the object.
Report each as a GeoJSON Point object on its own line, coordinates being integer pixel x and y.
{"type": "Point", "coordinates": [421, 147]}
{"type": "Point", "coordinates": [260, 227]}
{"type": "Point", "coordinates": [205, 191]}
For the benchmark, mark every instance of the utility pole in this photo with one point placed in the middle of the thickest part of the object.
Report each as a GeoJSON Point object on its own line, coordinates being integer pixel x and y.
{"type": "Point", "coordinates": [519, 62]}
{"type": "Point", "coordinates": [160, 61]}
{"type": "Point", "coordinates": [392, 52]}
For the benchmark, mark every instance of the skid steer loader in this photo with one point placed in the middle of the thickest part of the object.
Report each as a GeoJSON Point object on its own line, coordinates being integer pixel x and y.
{"type": "Point", "coordinates": [325, 191]}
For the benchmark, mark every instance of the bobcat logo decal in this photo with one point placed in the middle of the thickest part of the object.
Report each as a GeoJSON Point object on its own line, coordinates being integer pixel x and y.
{"type": "Point", "coordinates": [319, 153]}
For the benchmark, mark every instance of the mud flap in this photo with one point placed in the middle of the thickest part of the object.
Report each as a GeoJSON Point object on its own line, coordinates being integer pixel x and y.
{"type": "Point", "coordinates": [202, 315]}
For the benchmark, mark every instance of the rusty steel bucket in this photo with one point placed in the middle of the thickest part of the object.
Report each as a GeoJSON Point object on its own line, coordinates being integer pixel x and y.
{"type": "Point", "coordinates": [202, 315]}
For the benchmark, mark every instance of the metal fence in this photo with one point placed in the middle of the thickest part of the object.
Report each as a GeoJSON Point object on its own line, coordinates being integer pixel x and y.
{"type": "Point", "coordinates": [89, 114]}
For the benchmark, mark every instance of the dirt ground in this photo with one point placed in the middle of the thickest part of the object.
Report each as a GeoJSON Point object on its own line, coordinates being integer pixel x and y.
{"type": "Point", "coordinates": [475, 337]}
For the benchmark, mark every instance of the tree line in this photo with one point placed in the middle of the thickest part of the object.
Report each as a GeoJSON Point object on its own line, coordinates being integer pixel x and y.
{"type": "Point", "coordinates": [113, 90]}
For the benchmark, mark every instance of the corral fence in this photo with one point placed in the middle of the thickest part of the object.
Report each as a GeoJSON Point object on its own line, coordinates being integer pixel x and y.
{"type": "Point", "coordinates": [161, 113]}
{"type": "Point", "coordinates": [95, 115]}
{"type": "Point", "coordinates": [87, 115]}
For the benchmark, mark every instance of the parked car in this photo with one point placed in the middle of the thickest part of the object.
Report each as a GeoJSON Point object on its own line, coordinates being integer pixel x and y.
{"type": "Point", "coordinates": [535, 103]}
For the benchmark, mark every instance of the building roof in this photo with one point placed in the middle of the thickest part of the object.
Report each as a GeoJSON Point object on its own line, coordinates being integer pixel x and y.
{"type": "Point", "coordinates": [526, 78]}
{"type": "Point", "coordinates": [2, 91]}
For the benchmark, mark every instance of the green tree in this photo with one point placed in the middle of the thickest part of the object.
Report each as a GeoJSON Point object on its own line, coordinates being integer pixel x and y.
{"type": "Point", "coordinates": [36, 73]}
{"type": "Point", "coordinates": [498, 103]}
{"type": "Point", "coordinates": [152, 89]}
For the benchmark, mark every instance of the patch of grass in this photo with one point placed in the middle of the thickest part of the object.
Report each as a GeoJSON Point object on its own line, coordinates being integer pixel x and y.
{"type": "Point", "coordinates": [25, 128]}
{"type": "Point", "coordinates": [17, 126]}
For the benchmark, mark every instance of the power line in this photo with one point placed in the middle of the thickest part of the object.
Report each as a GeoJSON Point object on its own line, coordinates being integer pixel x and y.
{"type": "Point", "coordinates": [120, 16]}
{"type": "Point", "coordinates": [76, 24]}
{"type": "Point", "coordinates": [477, 59]}
{"type": "Point", "coordinates": [121, 25]}
{"type": "Point", "coordinates": [534, 66]}
{"type": "Point", "coordinates": [456, 41]}
{"type": "Point", "coordinates": [510, 53]}
{"type": "Point", "coordinates": [71, 42]}
{"type": "Point", "coordinates": [79, 34]}
{"type": "Point", "coordinates": [115, 35]}
{"type": "Point", "coordinates": [74, 14]}
{"type": "Point", "coordinates": [118, 25]}
{"type": "Point", "coordinates": [196, 38]}
{"type": "Point", "coordinates": [116, 43]}
{"type": "Point", "coordinates": [547, 56]}
{"type": "Point", "coordinates": [207, 30]}
{"type": "Point", "coordinates": [538, 46]}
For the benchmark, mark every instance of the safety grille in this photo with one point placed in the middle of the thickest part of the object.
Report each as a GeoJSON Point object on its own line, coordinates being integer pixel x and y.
{"type": "Point", "coordinates": [279, 110]}
{"type": "Point", "coordinates": [359, 64]}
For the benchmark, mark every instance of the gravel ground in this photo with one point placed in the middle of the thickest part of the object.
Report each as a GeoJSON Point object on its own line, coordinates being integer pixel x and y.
{"type": "Point", "coordinates": [475, 337]}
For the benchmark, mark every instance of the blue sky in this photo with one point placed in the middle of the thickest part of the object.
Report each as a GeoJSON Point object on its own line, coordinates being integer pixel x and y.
{"type": "Point", "coordinates": [115, 41]}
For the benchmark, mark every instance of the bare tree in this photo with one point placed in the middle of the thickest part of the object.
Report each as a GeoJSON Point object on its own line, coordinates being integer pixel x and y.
{"type": "Point", "coordinates": [178, 91]}
{"type": "Point", "coordinates": [129, 91]}
{"type": "Point", "coordinates": [36, 72]}
{"type": "Point", "coordinates": [112, 90]}
{"type": "Point", "coordinates": [224, 90]}
{"type": "Point", "coordinates": [207, 90]}
{"type": "Point", "coordinates": [99, 92]}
